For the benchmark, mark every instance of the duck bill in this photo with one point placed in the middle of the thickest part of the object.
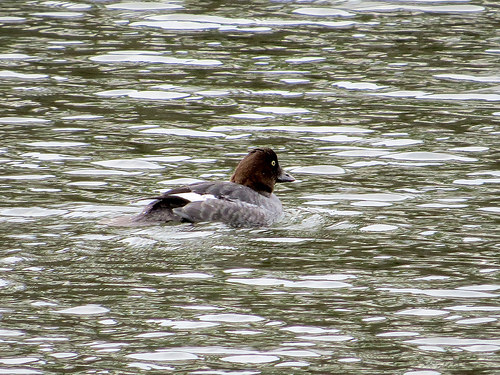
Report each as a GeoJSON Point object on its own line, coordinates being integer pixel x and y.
{"type": "Point", "coordinates": [285, 177]}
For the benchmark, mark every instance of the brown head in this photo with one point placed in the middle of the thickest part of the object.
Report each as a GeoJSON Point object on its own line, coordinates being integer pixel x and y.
{"type": "Point", "coordinates": [260, 170]}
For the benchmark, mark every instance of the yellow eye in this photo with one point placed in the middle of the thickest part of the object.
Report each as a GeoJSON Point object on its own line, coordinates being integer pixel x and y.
{"type": "Point", "coordinates": [273, 163]}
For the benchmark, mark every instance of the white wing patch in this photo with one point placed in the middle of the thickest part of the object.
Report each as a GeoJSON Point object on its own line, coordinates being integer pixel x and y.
{"type": "Point", "coordinates": [194, 197]}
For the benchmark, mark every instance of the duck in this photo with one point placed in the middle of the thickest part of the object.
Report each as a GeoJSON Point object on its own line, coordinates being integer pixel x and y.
{"type": "Point", "coordinates": [246, 200]}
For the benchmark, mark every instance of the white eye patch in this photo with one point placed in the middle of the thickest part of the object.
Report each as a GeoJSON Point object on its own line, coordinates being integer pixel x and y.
{"type": "Point", "coordinates": [194, 197]}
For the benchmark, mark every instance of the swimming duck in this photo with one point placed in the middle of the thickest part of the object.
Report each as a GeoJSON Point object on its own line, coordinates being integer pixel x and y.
{"type": "Point", "coordinates": [246, 200]}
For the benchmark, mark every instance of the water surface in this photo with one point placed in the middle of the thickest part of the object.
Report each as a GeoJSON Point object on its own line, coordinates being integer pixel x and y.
{"type": "Point", "coordinates": [387, 113]}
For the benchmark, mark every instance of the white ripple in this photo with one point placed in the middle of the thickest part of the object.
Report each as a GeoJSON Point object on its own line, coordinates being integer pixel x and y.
{"type": "Point", "coordinates": [59, 14]}
{"type": "Point", "coordinates": [14, 56]}
{"type": "Point", "coordinates": [490, 209]}
{"type": "Point", "coordinates": [309, 329]}
{"type": "Point", "coordinates": [139, 6]}
{"type": "Point", "coordinates": [178, 25]}
{"type": "Point", "coordinates": [124, 56]}
{"type": "Point", "coordinates": [251, 358]}
{"type": "Point", "coordinates": [422, 312]}
{"type": "Point", "coordinates": [477, 181]}
{"type": "Point", "coordinates": [230, 24]}
{"type": "Point", "coordinates": [319, 169]}
{"type": "Point", "coordinates": [338, 138]}
{"type": "Point", "coordinates": [453, 341]}
{"type": "Point", "coordinates": [445, 293]}
{"type": "Point", "coordinates": [190, 275]}
{"type": "Point", "coordinates": [283, 110]}
{"type": "Point", "coordinates": [379, 197]}
{"type": "Point", "coordinates": [370, 204]}
{"type": "Point", "coordinates": [19, 371]}
{"type": "Point", "coordinates": [251, 116]}
{"type": "Point", "coordinates": [52, 157]}
{"type": "Point", "coordinates": [427, 156]}
{"type": "Point", "coordinates": [128, 164]}
{"type": "Point", "coordinates": [90, 309]}
{"type": "Point", "coordinates": [161, 356]}
{"type": "Point", "coordinates": [379, 228]}
{"type": "Point", "coordinates": [12, 19]}
{"type": "Point", "coordinates": [10, 332]}
{"type": "Point", "coordinates": [327, 338]}
{"type": "Point", "coordinates": [166, 159]}
{"type": "Point", "coordinates": [56, 144]}
{"type": "Point", "coordinates": [362, 152]}
{"type": "Point", "coordinates": [330, 277]}
{"type": "Point", "coordinates": [470, 149]}
{"type": "Point", "coordinates": [16, 75]}
{"type": "Point", "coordinates": [476, 321]}
{"type": "Point", "coordinates": [305, 59]}
{"type": "Point", "coordinates": [260, 281]}
{"type": "Point", "coordinates": [467, 77]}
{"type": "Point", "coordinates": [82, 117]}
{"type": "Point", "coordinates": [473, 308]}
{"type": "Point", "coordinates": [397, 142]}
{"type": "Point", "coordinates": [282, 239]}
{"type": "Point", "coordinates": [27, 177]}
{"type": "Point", "coordinates": [322, 12]}
{"type": "Point", "coordinates": [401, 93]}
{"type": "Point", "coordinates": [465, 96]}
{"type": "Point", "coordinates": [182, 132]}
{"type": "Point", "coordinates": [157, 95]}
{"type": "Point", "coordinates": [185, 324]}
{"type": "Point", "coordinates": [398, 334]}
{"type": "Point", "coordinates": [358, 85]}
{"type": "Point", "coordinates": [101, 172]}
{"type": "Point", "coordinates": [295, 81]}
{"type": "Point", "coordinates": [386, 7]}
{"type": "Point", "coordinates": [150, 366]}
{"type": "Point", "coordinates": [203, 18]}
{"type": "Point", "coordinates": [231, 318]}
{"type": "Point", "coordinates": [293, 364]}
{"type": "Point", "coordinates": [482, 348]}
{"type": "Point", "coordinates": [180, 181]}
{"type": "Point", "coordinates": [22, 120]}
{"type": "Point", "coordinates": [295, 129]}
{"type": "Point", "coordinates": [317, 284]}
{"type": "Point", "coordinates": [117, 92]}
{"type": "Point", "coordinates": [31, 212]}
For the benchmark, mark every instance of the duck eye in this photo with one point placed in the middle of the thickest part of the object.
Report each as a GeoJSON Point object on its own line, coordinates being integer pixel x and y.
{"type": "Point", "coordinates": [273, 163]}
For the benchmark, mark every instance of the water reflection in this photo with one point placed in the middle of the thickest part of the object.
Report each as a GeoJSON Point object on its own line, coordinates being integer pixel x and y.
{"type": "Point", "coordinates": [387, 114]}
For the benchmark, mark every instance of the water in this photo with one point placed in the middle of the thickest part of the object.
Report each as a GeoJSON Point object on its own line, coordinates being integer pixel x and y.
{"type": "Point", "coordinates": [387, 114]}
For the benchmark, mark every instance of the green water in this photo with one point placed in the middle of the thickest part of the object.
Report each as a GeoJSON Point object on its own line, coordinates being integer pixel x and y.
{"type": "Point", "coordinates": [386, 261]}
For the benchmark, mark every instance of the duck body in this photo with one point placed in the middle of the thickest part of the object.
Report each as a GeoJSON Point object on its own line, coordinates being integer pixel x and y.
{"type": "Point", "coordinates": [220, 201]}
{"type": "Point", "coordinates": [247, 200]}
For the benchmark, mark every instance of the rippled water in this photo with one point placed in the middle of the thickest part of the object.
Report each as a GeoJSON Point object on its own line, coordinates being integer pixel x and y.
{"type": "Point", "coordinates": [387, 113]}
